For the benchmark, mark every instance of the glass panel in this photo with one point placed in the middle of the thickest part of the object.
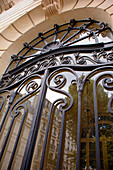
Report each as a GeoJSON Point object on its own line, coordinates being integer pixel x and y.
{"type": "Point", "coordinates": [71, 131]}
{"type": "Point", "coordinates": [14, 133]}
{"type": "Point", "coordinates": [88, 153]}
{"type": "Point", "coordinates": [105, 124]}
{"type": "Point", "coordinates": [103, 90]}
{"type": "Point", "coordinates": [56, 144]}
{"type": "Point", "coordinates": [64, 77]}
{"type": "Point", "coordinates": [16, 118]}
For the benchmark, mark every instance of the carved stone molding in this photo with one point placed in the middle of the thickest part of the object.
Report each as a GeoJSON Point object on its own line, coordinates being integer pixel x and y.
{"type": "Point", "coordinates": [9, 5]}
{"type": "Point", "coordinates": [6, 4]}
{"type": "Point", "coordinates": [51, 7]}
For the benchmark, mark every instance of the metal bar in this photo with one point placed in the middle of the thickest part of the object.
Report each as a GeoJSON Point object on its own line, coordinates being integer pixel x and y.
{"type": "Point", "coordinates": [81, 29]}
{"type": "Point", "coordinates": [17, 140]}
{"type": "Point", "coordinates": [47, 133]}
{"type": "Point", "coordinates": [55, 36]}
{"type": "Point", "coordinates": [69, 49]}
{"type": "Point", "coordinates": [46, 137]}
{"type": "Point", "coordinates": [7, 137]}
{"type": "Point", "coordinates": [79, 21]}
{"type": "Point", "coordinates": [78, 32]}
{"type": "Point", "coordinates": [78, 131]}
{"type": "Point", "coordinates": [64, 35]}
{"type": "Point", "coordinates": [18, 63]}
{"type": "Point", "coordinates": [28, 154]}
{"type": "Point", "coordinates": [95, 37]}
{"type": "Point", "coordinates": [96, 127]}
{"type": "Point", "coordinates": [8, 67]}
{"type": "Point", "coordinates": [78, 67]}
{"type": "Point", "coordinates": [12, 97]}
{"type": "Point", "coordinates": [82, 38]}
{"type": "Point", "coordinates": [3, 100]}
{"type": "Point", "coordinates": [4, 118]}
{"type": "Point", "coordinates": [59, 160]}
{"type": "Point", "coordinates": [87, 36]}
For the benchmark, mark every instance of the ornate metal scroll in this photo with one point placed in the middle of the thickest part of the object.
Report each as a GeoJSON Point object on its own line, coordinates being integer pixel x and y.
{"type": "Point", "coordinates": [59, 81]}
{"type": "Point", "coordinates": [109, 104]}
{"type": "Point", "coordinates": [34, 56]}
{"type": "Point", "coordinates": [96, 114]}
{"type": "Point", "coordinates": [19, 132]}
{"type": "Point", "coordinates": [6, 139]}
{"type": "Point", "coordinates": [26, 163]}
{"type": "Point", "coordinates": [51, 53]}
{"type": "Point", "coordinates": [17, 112]}
{"type": "Point", "coordinates": [31, 87]}
{"type": "Point", "coordinates": [107, 84]}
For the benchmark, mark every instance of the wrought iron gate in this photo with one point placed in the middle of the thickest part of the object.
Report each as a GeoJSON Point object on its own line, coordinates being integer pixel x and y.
{"type": "Point", "coordinates": [56, 102]}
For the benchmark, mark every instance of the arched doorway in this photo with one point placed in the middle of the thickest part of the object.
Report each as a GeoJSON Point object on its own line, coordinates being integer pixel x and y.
{"type": "Point", "coordinates": [54, 95]}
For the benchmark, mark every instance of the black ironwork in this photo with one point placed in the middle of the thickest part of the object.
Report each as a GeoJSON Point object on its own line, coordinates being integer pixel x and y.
{"type": "Point", "coordinates": [3, 100]}
{"type": "Point", "coordinates": [19, 133]}
{"type": "Point", "coordinates": [46, 58]}
{"type": "Point", "coordinates": [34, 127]}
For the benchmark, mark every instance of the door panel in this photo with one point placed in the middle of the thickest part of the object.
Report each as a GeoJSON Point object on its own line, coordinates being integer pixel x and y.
{"type": "Point", "coordinates": [56, 104]}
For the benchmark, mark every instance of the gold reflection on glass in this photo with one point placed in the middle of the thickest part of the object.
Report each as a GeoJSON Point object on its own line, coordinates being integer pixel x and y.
{"type": "Point", "coordinates": [88, 148]}
{"type": "Point", "coordinates": [69, 159]}
{"type": "Point", "coordinates": [69, 147]}
{"type": "Point", "coordinates": [105, 124]}
{"type": "Point", "coordinates": [69, 136]}
{"type": "Point", "coordinates": [105, 128]}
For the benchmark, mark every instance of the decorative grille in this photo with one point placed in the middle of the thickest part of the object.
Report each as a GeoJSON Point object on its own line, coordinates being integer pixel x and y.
{"type": "Point", "coordinates": [56, 100]}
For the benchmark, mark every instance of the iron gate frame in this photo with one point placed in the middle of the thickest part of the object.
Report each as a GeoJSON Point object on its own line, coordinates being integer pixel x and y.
{"type": "Point", "coordinates": [10, 76]}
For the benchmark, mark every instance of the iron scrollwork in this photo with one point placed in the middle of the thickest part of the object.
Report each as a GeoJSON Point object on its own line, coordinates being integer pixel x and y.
{"type": "Point", "coordinates": [108, 85]}
{"type": "Point", "coordinates": [31, 87]}
{"type": "Point", "coordinates": [35, 58]}
{"type": "Point", "coordinates": [59, 80]}
{"type": "Point", "coordinates": [51, 54]}
{"type": "Point", "coordinates": [97, 58]}
{"type": "Point", "coordinates": [106, 79]}
{"type": "Point", "coordinates": [16, 113]}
